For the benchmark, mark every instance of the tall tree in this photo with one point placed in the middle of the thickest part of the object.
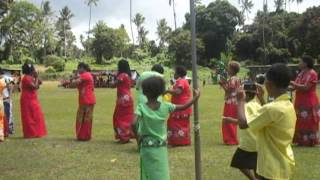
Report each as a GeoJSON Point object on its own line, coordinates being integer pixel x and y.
{"type": "Point", "coordinates": [132, 36]}
{"type": "Point", "coordinates": [21, 30]}
{"type": "Point", "coordinates": [64, 26]}
{"type": "Point", "coordinates": [90, 3]}
{"type": "Point", "coordinates": [163, 31]}
{"type": "Point", "coordinates": [108, 42]}
{"type": "Point", "coordinates": [47, 26]}
{"type": "Point", "coordinates": [142, 32]}
{"type": "Point", "coordinates": [171, 2]}
{"type": "Point", "coordinates": [246, 6]}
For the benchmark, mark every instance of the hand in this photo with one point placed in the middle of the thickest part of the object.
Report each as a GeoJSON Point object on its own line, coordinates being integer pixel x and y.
{"type": "Point", "coordinates": [292, 83]}
{"type": "Point", "coordinates": [35, 74]}
{"type": "Point", "coordinates": [241, 95]}
{"type": "Point", "coordinates": [260, 91]}
{"type": "Point", "coordinates": [196, 93]}
{"type": "Point", "coordinates": [225, 119]}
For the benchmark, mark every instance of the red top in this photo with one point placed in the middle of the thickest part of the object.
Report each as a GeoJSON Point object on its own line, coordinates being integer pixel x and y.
{"type": "Point", "coordinates": [233, 84]}
{"type": "Point", "coordinates": [86, 89]}
{"type": "Point", "coordinates": [124, 84]}
{"type": "Point", "coordinates": [27, 90]}
{"type": "Point", "coordinates": [185, 95]}
{"type": "Point", "coordinates": [307, 98]}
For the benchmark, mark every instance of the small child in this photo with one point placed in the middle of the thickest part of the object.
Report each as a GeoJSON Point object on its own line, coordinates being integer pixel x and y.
{"type": "Point", "coordinates": [274, 126]}
{"type": "Point", "coordinates": [229, 130]}
{"type": "Point", "coordinates": [245, 157]}
{"type": "Point", "coordinates": [152, 132]}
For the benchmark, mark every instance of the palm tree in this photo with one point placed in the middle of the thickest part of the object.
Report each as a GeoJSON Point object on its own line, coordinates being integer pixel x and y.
{"type": "Point", "coordinates": [90, 3]}
{"type": "Point", "coordinates": [46, 13]}
{"type": "Point", "coordinates": [65, 16]}
{"type": "Point", "coordinates": [246, 6]}
{"type": "Point", "coordinates": [131, 22]}
{"type": "Point", "coordinates": [171, 2]}
{"type": "Point", "coordinates": [163, 31]}
{"type": "Point", "coordinates": [138, 21]}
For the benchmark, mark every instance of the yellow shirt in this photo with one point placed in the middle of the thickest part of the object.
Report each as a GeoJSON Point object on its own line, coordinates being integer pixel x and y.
{"type": "Point", "coordinates": [274, 125]}
{"type": "Point", "coordinates": [247, 138]}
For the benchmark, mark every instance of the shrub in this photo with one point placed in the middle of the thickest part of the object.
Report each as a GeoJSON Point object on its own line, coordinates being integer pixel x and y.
{"type": "Point", "coordinates": [26, 59]}
{"type": "Point", "coordinates": [56, 62]}
{"type": "Point", "coordinates": [51, 70]}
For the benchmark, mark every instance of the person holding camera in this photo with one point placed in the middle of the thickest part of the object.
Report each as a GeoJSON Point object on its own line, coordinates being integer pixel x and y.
{"type": "Point", "coordinates": [245, 157]}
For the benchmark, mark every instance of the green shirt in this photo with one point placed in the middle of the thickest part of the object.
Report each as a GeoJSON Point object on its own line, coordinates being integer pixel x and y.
{"type": "Point", "coordinates": [145, 75]}
{"type": "Point", "coordinates": [152, 123]}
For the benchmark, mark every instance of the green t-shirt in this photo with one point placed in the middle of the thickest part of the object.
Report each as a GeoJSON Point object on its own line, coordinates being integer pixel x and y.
{"type": "Point", "coordinates": [152, 123]}
{"type": "Point", "coordinates": [145, 75]}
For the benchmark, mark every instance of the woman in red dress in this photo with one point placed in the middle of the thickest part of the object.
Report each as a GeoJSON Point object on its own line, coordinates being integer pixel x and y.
{"type": "Point", "coordinates": [123, 113]}
{"type": "Point", "coordinates": [306, 104]}
{"type": "Point", "coordinates": [87, 100]}
{"type": "Point", "coordinates": [32, 118]}
{"type": "Point", "coordinates": [229, 130]}
{"type": "Point", "coordinates": [179, 122]}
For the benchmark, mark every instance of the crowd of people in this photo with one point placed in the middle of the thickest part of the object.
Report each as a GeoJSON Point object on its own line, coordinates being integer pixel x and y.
{"type": "Point", "coordinates": [161, 116]}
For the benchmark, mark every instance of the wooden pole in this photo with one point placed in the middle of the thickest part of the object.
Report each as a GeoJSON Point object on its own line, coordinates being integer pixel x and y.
{"type": "Point", "coordinates": [197, 146]}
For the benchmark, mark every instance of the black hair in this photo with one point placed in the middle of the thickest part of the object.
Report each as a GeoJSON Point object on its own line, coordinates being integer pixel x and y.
{"type": "Point", "coordinates": [308, 60]}
{"type": "Point", "coordinates": [250, 95]}
{"type": "Point", "coordinates": [280, 75]}
{"type": "Point", "coordinates": [153, 87]}
{"type": "Point", "coordinates": [84, 66]}
{"type": "Point", "coordinates": [234, 66]}
{"type": "Point", "coordinates": [181, 71]}
{"type": "Point", "coordinates": [123, 67]}
{"type": "Point", "coordinates": [27, 69]}
{"type": "Point", "coordinates": [157, 68]}
{"type": "Point", "coordinates": [1, 71]}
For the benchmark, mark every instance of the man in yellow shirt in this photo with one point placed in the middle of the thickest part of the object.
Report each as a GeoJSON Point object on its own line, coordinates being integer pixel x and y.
{"type": "Point", "coordinates": [273, 125]}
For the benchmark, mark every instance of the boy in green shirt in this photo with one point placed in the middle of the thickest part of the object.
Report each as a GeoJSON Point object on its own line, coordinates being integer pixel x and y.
{"type": "Point", "coordinates": [152, 132]}
{"type": "Point", "coordinates": [274, 126]}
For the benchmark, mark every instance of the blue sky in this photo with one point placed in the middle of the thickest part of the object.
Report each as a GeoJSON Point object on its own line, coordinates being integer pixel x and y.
{"type": "Point", "coordinates": [116, 12]}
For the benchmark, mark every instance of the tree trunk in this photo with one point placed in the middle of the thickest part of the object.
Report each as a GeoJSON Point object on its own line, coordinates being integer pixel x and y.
{"type": "Point", "coordinates": [65, 39]}
{"type": "Point", "coordinates": [89, 22]}
{"type": "Point", "coordinates": [131, 23]}
{"type": "Point", "coordinates": [174, 14]}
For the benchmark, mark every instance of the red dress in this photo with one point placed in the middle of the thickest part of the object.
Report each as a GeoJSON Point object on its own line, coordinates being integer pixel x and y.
{"type": "Point", "coordinates": [32, 118]}
{"type": "Point", "coordinates": [229, 130]}
{"type": "Point", "coordinates": [87, 100]}
{"type": "Point", "coordinates": [179, 122]}
{"type": "Point", "coordinates": [307, 109]}
{"type": "Point", "coordinates": [123, 115]}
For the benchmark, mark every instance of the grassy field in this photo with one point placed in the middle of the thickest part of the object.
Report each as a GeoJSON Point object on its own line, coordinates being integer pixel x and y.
{"type": "Point", "coordinates": [59, 156]}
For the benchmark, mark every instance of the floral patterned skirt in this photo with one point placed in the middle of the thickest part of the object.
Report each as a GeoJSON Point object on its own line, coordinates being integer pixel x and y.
{"type": "Point", "coordinates": [123, 117]}
{"type": "Point", "coordinates": [179, 128]}
{"type": "Point", "coordinates": [307, 126]}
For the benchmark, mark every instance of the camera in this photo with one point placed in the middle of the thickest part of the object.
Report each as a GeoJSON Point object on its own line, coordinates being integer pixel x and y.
{"type": "Point", "coordinates": [249, 86]}
{"type": "Point", "coordinates": [260, 78]}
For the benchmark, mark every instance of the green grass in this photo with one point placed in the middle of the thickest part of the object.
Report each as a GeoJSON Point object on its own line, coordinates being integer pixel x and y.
{"type": "Point", "coordinates": [59, 156]}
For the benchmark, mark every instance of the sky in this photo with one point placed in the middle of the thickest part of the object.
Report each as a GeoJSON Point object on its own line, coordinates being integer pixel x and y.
{"type": "Point", "coordinates": [117, 12]}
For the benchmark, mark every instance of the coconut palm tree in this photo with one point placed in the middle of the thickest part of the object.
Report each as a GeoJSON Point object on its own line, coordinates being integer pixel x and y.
{"type": "Point", "coordinates": [65, 16]}
{"type": "Point", "coordinates": [171, 2]}
{"type": "Point", "coordinates": [138, 21]}
{"type": "Point", "coordinates": [90, 3]}
{"type": "Point", "coordinates": [246, 6]}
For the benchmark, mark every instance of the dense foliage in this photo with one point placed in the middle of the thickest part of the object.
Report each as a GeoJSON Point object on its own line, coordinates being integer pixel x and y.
{"type": "Point", "coordinates": [37, 34]}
